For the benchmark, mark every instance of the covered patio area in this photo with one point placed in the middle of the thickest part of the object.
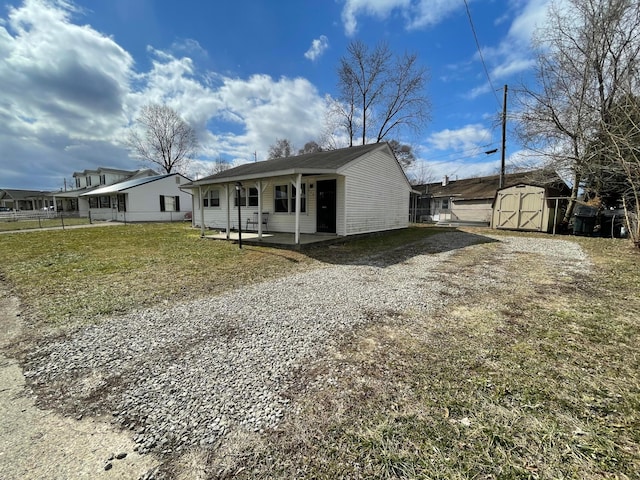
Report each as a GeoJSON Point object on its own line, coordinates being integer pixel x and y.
{"type": "Point", "coordinates": [277, 239]}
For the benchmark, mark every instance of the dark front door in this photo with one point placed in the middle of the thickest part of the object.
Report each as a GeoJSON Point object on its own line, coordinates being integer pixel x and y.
{"type": "Point", "coordinates": [326, 203]}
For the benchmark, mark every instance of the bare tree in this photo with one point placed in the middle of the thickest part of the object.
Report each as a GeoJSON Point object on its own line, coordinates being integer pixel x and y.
{"type": "Point", "coordinates": [163, 138]}
{"type": "Point", "coordinates": [310, 147]}
{"type": "Point", "coordinates": [403, 152]}
{"type": "Point", "coordinates": [588, 57]}
{"type": "Point", "coordinates": [618, 149]}
{"type": "Point", "coordinates": [380, 93]}
{"type": "Point", "coordinates": [422, 174]}
{"type": "Point", "coordinates": [281, 148]}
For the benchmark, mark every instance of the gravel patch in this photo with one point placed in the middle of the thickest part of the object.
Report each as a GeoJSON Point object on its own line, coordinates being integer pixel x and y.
{"type": "Point", "coordinates": [184, 375]}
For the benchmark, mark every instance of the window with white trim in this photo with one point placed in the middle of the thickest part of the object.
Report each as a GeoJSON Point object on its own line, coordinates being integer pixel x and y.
{"type": "Point", "coordinates": [211, 199]}
{"type": "Point", "coordinates": [169, 203]}
{"type": "Point", "coordinates": [285, 198]}
{"type": "Point", "coordinates": [253, 197]}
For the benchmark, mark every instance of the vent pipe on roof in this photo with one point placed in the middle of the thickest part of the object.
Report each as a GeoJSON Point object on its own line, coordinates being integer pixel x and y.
{"type": "Point", "coordinates": [445, 180]}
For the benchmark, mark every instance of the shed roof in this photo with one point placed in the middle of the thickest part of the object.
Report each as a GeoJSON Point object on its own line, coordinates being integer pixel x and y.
{"type": "Point", "coordinates": [483, 188]}
{"type": "Point", "coordinates": [309, 163]}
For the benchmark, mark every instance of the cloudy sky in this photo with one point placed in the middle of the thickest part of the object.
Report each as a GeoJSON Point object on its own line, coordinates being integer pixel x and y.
{"type": "Point", "coordinates": [74, 74]}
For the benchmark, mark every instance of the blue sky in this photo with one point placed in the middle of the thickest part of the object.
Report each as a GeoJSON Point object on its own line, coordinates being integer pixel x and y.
{"type": "Point", "coordinates": [74, 74]}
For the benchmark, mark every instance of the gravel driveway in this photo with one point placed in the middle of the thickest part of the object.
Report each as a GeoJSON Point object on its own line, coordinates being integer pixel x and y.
{"type": "Point", "coordinates": [184, 375]}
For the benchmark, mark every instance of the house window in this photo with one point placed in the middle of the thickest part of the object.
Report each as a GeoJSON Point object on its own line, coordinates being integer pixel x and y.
{"type": "Point", "coordinates": [89, 181]}
{"type": "Point", "coordinates": [103, 179]}
{"type": "Point", "coordinates": [77, 182]}
{"type": "Point", "coordinates": [93, 202]}
{"type": "Point", "coordinates": [104, 202]}
{"type": "Point", "coordinates": [281, 199]}
{"type": "Point", "coordinates": [211, 198]}
{"type": "Point", "coordinates": [169, 204]}
{"type": "Point", "coordinates": [253, 197]}
{"type": "Point", "coordinates": [445, 204]}
{"type": "Point", "coordinates": [285, 199]}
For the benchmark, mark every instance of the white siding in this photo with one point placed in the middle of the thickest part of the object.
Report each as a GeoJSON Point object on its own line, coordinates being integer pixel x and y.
{"type": "Point", "coordinates": [216, 217]}
{"type": "Point", "coordinates": [376, 194]}
{"type": "Point", "coordinates": [372, 195]}
{"type": "Point", "coordinates": [143, 202]}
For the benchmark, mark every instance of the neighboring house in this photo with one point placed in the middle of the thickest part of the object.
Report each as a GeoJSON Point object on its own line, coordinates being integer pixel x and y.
{"type": "Point", "coordinates": [73, 200]}
{"type": "Point", "coordinates": [140, 199]}
{"type": "Point", "coordinates": [25, 199]}
{"type": "Point", "coordinates": [471, 200]}
{"type": "Point", "coordinates": [342, 192]}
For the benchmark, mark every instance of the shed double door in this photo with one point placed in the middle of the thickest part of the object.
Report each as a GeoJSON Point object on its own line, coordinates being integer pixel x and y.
{"type": "Point", "coordinates": [520, 210]}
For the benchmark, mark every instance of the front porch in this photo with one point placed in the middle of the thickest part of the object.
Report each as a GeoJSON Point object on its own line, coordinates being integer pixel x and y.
{"type": "Point", "coordinates": [277, 239]}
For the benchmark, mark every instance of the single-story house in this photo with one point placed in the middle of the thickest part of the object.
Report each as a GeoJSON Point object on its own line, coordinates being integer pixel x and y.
{"type": "Point", "coordinates": [25, 199]}
{"type": "Point", "coordinates": [141, 199]}
{"type": "Point", "coordinates": [342, 192]}
{"type": "Point", "coordinates": [471, 200]}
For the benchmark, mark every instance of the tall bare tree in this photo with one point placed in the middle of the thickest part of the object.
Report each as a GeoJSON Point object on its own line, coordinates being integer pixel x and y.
{"type": "Point", "coordinates": [163, 138]}
{"type": "Point", "coordinates": [281, 148]}
{"type": "Point", "coordinates": [588, 54]}
{"type": "Point", "coordinates": [380, 93]}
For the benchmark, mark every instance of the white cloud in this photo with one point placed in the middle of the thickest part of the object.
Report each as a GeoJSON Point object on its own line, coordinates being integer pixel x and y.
{"type": "Point", "coordinates": [467, 138]}
{"type": "Point", "coordinates": [417, 14]}
{"type": "Point", "coordinates": [317, 48]}
{"type": "Point", "coordinates": [69, 94]}
{"type": "Point", "coordinates": [513, 53]}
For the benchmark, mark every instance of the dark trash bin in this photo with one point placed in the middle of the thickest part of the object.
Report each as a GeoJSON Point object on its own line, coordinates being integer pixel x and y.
{"type": "Point", "coordinates": [584, 220]}
{"type": "Point", "coordinates": [583, 225]}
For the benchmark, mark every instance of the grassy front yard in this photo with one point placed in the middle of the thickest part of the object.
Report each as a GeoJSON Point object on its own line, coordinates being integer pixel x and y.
{"type": "Point", "coordinates": [76, 276]}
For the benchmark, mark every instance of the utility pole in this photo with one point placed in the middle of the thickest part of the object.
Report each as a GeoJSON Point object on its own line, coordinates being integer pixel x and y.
{"type": "Point", "coordinates": [504, 136]}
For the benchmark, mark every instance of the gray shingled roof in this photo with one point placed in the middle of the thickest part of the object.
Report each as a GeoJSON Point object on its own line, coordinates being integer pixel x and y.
{"type": "Point", "coordinates": [310, 163]}
{"type": "Point", "coordinates": [480, 188]}
{"type": "Point", "coordinates": [16, 194]}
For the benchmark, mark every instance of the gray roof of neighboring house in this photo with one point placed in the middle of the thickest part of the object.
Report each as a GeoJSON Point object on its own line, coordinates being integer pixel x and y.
{"type": "Point", "coordinates": [16, 194]}
{"type": "Point", "coordinates": [120, 186]}
{"type": "Point", "coordinates": [309, 163]}
{"type": "Point", "coordinates": [480, 188]}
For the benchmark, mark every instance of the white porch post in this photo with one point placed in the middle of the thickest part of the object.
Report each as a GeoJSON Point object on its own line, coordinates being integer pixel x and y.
{"type": "Point", "coordinates": [226, 193]}
{"type": "Point", "coordinates": [259, 187]}
{"type": "Point", "coordinates": [298, 195]}
{"type": "Point", "coordinates": [201, 201]}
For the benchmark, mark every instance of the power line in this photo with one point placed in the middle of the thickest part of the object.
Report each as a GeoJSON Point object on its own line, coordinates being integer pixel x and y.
{"type": "Point", "coordinates": [484, 65]}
